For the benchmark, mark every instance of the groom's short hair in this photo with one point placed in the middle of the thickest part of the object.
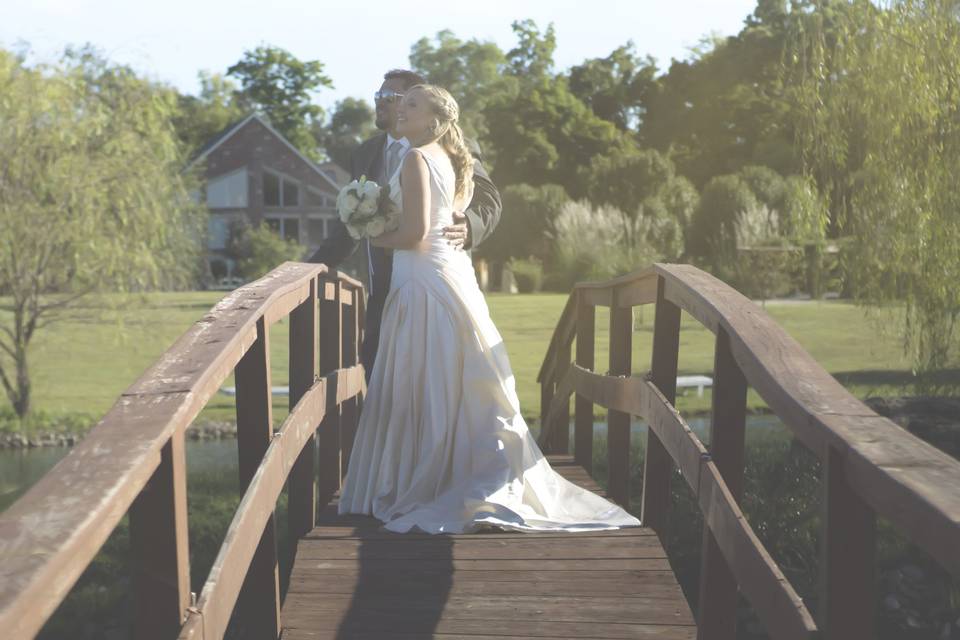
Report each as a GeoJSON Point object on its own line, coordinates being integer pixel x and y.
{"type": "Point", "coordinates": [409, 78]}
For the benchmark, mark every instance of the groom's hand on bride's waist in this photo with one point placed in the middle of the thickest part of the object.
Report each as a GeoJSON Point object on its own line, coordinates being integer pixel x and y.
{"type": "Point", "coordinates": [457, 234]}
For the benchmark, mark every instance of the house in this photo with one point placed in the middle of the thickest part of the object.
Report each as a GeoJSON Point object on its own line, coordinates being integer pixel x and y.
{"type": "Point", "coordinates": [252, 173]}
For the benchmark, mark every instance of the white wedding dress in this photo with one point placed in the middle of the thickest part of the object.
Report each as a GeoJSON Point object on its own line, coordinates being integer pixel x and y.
{"type": "Point", "coordinates": [441, 446]}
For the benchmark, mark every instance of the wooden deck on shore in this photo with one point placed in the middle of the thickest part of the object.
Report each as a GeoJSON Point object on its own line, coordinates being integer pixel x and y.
{"type": "Point", "coordinates": [351, 579]}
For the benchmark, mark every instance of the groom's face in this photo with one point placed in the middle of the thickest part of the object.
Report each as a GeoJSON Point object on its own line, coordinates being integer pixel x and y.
{"type": "Point", "coordinates": [386, 110]}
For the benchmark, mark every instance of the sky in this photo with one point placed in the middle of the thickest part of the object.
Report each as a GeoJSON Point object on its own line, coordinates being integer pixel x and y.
{"type": "Point", "coordinates": [172, 41]}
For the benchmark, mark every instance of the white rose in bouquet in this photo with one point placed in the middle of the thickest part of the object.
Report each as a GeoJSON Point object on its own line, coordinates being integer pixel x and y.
{"type": "Point", "coordinates": [376, 227]}
{"type": "Point", "coordinates": [366, 209]}
{"type": "Point", "coordinates": [371, 190]}
{"type": "Point", "coordinates": [347, 204]}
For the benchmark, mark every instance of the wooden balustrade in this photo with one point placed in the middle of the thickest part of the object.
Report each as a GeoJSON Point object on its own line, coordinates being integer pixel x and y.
{"type": "Point", "coordinates": [134, 460]}
{"type": "Point", "coordinates": [871, 467]}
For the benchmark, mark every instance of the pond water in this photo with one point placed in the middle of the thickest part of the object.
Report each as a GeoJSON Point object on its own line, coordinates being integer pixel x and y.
{"type": "Point", "coordinates": [217, 459]}
{"type": "Point", "coordinates": [99, 606]}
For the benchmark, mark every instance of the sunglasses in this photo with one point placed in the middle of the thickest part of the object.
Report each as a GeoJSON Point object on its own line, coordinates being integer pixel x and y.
{"type": "Point", "coordinates": [386, 95]}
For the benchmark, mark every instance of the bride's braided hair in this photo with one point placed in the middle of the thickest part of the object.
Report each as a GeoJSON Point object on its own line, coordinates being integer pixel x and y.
{"type": "Point", "coordinates": [448, 132]}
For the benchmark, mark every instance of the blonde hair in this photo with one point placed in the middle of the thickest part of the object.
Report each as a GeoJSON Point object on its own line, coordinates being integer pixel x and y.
{"type": "Point", "coordinates": [448, 133]}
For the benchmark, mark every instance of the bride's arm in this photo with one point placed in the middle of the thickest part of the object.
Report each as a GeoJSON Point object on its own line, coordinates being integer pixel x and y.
{"type": "Point", "coordinates": [415, 217]}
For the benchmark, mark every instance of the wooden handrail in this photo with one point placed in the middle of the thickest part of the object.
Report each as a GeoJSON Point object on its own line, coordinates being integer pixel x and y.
{"type": "Point", "coordinates": [133, 459]}
{"type": "Point", "coordinates": [210, 616]}
{"type": "Point", "coordinates": [757, 574]}
{"type": "Point", "coordinates": [871, 466]}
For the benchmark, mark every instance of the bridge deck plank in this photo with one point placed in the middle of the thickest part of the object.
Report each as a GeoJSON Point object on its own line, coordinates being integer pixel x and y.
{"type": "Point", "coordinates": [351, 579]}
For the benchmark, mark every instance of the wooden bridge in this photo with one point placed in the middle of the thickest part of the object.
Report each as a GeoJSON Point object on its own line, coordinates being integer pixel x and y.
{"type": "Point", "coordinates": [351, 579]}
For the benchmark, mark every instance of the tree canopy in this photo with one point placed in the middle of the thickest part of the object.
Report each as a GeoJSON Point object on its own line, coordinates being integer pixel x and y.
{"type": "Point", "coordinates": [92, 197]}
{"type": "Point", "coordinates": [275, 82]}
{"type": "Point", "coordinates": [878, 102]}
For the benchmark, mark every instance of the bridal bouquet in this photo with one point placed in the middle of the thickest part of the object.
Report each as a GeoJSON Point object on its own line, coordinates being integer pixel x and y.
{"type": "Point", "coordinates": [366, 209]}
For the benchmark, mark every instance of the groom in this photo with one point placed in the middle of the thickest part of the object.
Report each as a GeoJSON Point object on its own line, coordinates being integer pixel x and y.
{"type": "Point", "coordinates": [378, 158]}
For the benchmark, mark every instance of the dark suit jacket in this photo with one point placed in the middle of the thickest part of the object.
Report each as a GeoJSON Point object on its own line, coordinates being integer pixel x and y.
{"type": "Point", "coordinates": [483, 214]}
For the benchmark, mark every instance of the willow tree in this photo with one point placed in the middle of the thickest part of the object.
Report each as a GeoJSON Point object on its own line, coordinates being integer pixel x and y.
{"type": "Point", "coordinates": [91, 197]}
{"type": "Point", "coordinates": [877, 90]}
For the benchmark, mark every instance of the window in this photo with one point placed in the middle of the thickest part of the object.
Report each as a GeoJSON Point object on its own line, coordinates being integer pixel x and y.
{"type": "Point", "coordinates": [287, 227]}
{"type": "Point", "coordinates": [316, 230]}
{"type": "Point", "coordinates": [271, 189]}
{"type": "Point", "coordinates": [291, 229]}
{"type": "Point", "coordinates": [317, 198]}
{"type": "Point", "coordinates": [228, 191]}
{"type": "Point", "coordinates": [291, 194]}
{"type": "Point", "coordinates": [217, 232]}
{"type": "Point", "coordinates": [279, 191]}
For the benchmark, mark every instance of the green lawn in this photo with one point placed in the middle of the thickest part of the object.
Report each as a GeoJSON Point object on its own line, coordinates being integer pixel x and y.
{"type": "Point", "coordinates": [83, 363]}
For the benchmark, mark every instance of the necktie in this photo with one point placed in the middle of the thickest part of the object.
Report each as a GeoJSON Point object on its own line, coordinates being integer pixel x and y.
{"type": "Point", "coordinates": [392, 162]}
{"type": "Point", "coordinates": [393, 158]}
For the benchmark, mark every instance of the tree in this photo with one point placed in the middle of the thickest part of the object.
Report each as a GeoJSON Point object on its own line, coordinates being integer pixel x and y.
{"type": "Point", "coordinates": [351, 123]}
{"type": "Point", "coordinates": [91, 197]}
{"type": "Point", "coordinates": [681, 199]}
{"type": "Point", "coordinates": [715, 231]}
{"type": "Point", "coordinates": [533, 56]}
{"type": "Point", "coordinates": [199, 118]}
{"type": "Point", "coordinates": [766, 184]}
{"type": "Point", "coordinates": [278, 84]}
{"type": "Point", "coordinates": [617, 86]}
{"type": "Point", "coordinates": [624, 180]}
{"type": "Point", "coordinates": [541, 132]}
{"type": "Point", "coordinates": [726, 106]}
{"type": "Point", "coordinates": [878, 93]}
{"type": "Point", "coordinates": [523, 233]}
{"type": "Point", "coordinates": [471, 70]}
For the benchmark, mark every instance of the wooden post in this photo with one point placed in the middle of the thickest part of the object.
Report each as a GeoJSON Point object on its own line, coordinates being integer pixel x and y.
{"type": "Point", "coordinates": [618, 424]}
{"type": "Point", "coordinates": [302, 487]}
{"type": "Point", "coordinates": [718, 586]}
{"type": "Point", "coordinates": [259, 601]}
{"type": "Point", "coordinates": [847, 574]}
{"type": "Point", "coordinates": [583, 407]}
{"type": "Point", "coordinates": [350, 410]}
{"type": "Point", "coordinates": [560, 436]}
{"type": "Point", "coordinates": [361, 301]}
{"type": "Point", "coordinates": [331, 359]}
{"type": "Point", "coordinates": [546, 398]}
{"type": "Point", "coordinates": [663, 372]}
{"type": "Point", "coordinates": [158, 536]}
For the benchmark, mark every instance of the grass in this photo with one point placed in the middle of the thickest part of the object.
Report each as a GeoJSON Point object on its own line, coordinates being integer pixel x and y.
{"type": "Point", "coordinates": [84, 362]}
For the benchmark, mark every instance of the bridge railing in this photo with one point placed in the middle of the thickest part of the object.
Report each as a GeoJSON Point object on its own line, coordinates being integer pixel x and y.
{"type": "Point", "coordinates": [871, 467]}
{"type": "Point", "coordinates": [133, 461]}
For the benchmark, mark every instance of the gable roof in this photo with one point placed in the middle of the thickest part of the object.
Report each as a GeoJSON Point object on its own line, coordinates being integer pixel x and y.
{"type": "Point", "coordinates": [227, 132]}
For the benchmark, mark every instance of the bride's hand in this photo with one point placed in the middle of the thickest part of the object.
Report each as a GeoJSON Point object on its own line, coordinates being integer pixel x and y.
{"type": "Point", "coordinates": [458, 234]}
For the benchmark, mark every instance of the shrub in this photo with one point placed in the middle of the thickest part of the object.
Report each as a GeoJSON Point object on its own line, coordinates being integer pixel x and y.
{"type": "Point", "coordinates": [597, 244]}
{"type": "Point", "coordinates": [767, 185]}
{"type": "Point", "coordinates": [258, 250]}
{"type": "Point", "coordinates": [681, 199]}
{"type": "Point", "coordinates": [767, 271]}
{"type": "Point", "coordinates": [713, 234]}
{"type": "Point", "coordinates": [527, 273]}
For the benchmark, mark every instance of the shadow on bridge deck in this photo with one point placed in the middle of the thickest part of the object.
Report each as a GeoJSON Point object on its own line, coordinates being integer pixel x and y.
{"type": "Point", "coordinates": [351, 579]}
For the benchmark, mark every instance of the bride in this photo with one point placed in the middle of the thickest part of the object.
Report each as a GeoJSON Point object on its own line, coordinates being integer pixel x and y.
{"type": "Point", "coordinates": [441, 446]}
